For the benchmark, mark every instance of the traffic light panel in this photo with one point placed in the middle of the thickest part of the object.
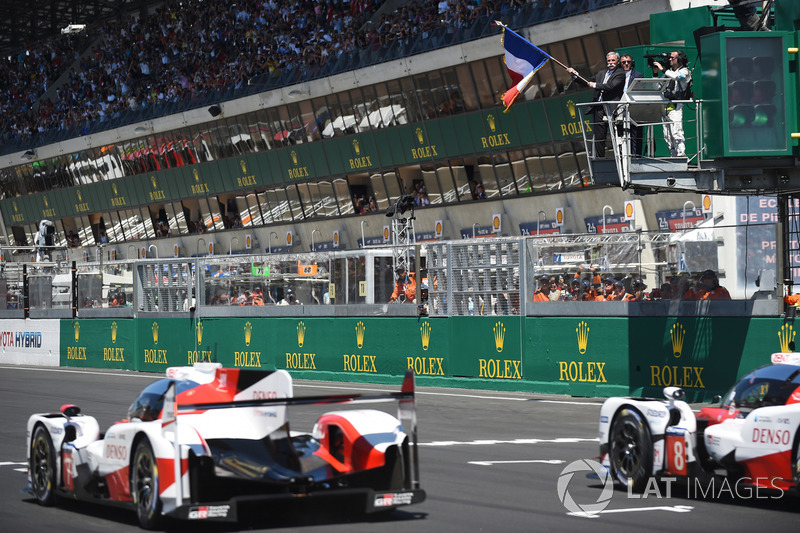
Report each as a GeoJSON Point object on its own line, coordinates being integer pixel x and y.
{"type": "Point", "coordinates": [745, 88]}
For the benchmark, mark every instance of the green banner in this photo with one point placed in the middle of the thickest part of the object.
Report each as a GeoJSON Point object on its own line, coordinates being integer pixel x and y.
{"type": "Point", "coordinates": [99, 343]}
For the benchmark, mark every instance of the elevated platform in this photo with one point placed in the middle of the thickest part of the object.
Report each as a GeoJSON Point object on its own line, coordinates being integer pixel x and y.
{"type": "Point", "coordinates": [657, 174]}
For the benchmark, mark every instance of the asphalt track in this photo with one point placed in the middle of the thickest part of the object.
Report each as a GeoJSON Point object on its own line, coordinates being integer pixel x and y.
{"type": "Point", "coordinates": [489, 462]}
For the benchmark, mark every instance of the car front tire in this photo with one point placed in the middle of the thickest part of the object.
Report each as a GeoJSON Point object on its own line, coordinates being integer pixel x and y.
{"type": "Point", "coordinates": [144, 486]}
{"type": "Point", "coordinates": [631, 450]}
{"type": "Point", "coordinates": [43, 467]}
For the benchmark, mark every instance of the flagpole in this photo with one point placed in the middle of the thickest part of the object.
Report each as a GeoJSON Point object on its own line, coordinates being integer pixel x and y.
{"type": "Point", "coordinates": [562, 65]}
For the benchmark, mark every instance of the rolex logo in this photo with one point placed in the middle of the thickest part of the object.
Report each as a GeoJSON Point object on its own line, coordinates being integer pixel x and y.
{"type": "Point", "coordinates": [155, 332]}
{"type": "Point", "coordinates": [490, 120]}
{"type": "Point", "coordinates": [420, 138]}
{"type": "Point", "coordinates": [360, 330]}
{"type": "Point", "coordinates": [499, 336]}
{"type": "Point", "coordinates": [153, 182]}
{"type": "Point", "coordinates": [785, 335]}
{"type": "Point", "coordinates": [199, 332]}
{"type": "Point", "coordinates": [571, 109]}
{"type": "Point", "coordinates": [583, 336]}
{"type": "Point", "coordinates": [114, 332]}
{"type": "Point", "coordinates": [678, 334]}
{"type": "Point", "coordinates": [425, 330]}
{"type": "Point", "coordinates": [301, 333]}
{"type": "Point", "coordinates": [77, 327]}
{"type": "Point", "coordinates": [196, 174]}
{"type": "Point", "coordinates": [114, 188]}
{"type": "Point", "coordinates": [248, 332]}
{"type": "Point", "coordinates": [80, 196]}
{"type": "Point", "coordinates": [243, 165]}
{"type": "Point", "coordinates": [16, 209]}
{"type": "Point", "coordinates": [46, 203]}
{"type": "Point", "coordinates": [356, 146]}
{"type": "Point", "coordinates": [293, 154]}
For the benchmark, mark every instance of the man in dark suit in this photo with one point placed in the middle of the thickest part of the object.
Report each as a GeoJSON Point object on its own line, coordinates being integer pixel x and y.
{"type": "Point", "coordinates": [628, 64]}
{"type": "Point", "coordinates": [608, 85]}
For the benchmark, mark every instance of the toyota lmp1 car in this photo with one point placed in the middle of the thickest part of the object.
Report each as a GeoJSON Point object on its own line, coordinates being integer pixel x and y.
{"type": "Point", "coordinates": [224, 435]}
{"type": "Point", "coordinates": [752, 437]}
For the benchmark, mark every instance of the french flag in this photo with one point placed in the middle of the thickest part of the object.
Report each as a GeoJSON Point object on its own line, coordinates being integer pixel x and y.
{"type": "Point", "coordinates": [523, 59]}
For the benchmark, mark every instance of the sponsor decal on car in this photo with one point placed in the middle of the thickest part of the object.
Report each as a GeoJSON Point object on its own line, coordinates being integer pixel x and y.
{"type": "Point", "coordinates": [393, 498]}
{"type": "Point", "coordinates": [772, 436]}
{"type": "Point", "coordinates": [209, 511]}
{"type": "Point", "coordinates": [604, 419]}
{"type": "Point", "coordinates": [655, 413]}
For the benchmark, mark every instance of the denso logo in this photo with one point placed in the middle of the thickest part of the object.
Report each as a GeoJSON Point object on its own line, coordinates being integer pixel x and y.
{"type": "Point", "coordinates": [114, 451]}
{"type": "Point", "coordinates": [653, 413]}
{"type": "Point", "coordinates": [264, 395]}
{"type": "Point", "coordinates": [771, 436]}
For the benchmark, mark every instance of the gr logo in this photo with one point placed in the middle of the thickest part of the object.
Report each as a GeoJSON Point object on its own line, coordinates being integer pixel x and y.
{"type": "Point", "coordinates": [588, 510]}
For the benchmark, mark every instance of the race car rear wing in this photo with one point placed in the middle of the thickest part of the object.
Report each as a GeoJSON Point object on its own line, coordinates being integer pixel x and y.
{"type": "Point", "coordinates": [406, 413]}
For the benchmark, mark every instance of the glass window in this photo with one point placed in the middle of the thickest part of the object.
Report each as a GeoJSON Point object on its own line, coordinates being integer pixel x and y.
{"type": "Point", "coordinates": [392, 183]}
{"type": "Point", "coordinates": [465, 83]}
{"type": "Point", "coordinates": [424, 96]}
{"type": "Point", "coordinates": [253, 212]}
{"type": "Point", "coordinates": [267, 216]}
{"type": "Point", "coordinates": [279, 204]}
{"type": "Point", "coordinates": [412, 103]}
{"type": "Point", "coordinates": [505, 176]}
{"type": "Point", "coordinates": [328, 205]}
{"type": "Point", "coordinates": [497, 77]}
{"type": "Point", "coordinates": [610, 41]}
{"type": "Point", "coordinates": [521, 172]}
{"type": "Point", "coordinates": [595, 55]}
{"type": "Point", "coordinates": [311, 131]}
{"type": "Point", "coordinates": [343, 197]}
{"type": "Point", "coordinates": [485, 95]}
{"type": "Point", "coordinates": [378, 191]}
{"type": "Point", "coordinates": [295, 203]}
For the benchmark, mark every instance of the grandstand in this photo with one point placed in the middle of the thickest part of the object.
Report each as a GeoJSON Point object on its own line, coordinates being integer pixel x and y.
{"type": "Point", "coordinates": [196, 128]}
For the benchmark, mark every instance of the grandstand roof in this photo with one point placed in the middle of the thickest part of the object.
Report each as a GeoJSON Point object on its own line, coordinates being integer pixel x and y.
{"type": "Point", "coordinates": [23, 22]}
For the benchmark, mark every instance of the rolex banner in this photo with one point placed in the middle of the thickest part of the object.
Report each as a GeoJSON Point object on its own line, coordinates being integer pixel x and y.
{"type": "Point", "coordinates": [580, 356]}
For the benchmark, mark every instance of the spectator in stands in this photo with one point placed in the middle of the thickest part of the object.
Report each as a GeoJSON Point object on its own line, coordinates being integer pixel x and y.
{"type": "Point", "coordinates": [638, 291]}
{"type": "Point", "coordinates": [710, 288]}
{"type": "Point", "coordinates": [543, 294]}
{"type": "Point", "coordinates": [589, 293]}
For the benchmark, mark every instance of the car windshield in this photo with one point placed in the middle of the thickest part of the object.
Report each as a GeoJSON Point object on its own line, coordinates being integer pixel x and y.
{"type": "Point", "coordinates": [147, 406]}
{"type": "Point", "coordinates": [764, 387]}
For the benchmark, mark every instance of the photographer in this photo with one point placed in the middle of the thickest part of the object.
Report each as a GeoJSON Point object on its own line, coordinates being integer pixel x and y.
{"type": "Point", "coordinates": [672, 118]}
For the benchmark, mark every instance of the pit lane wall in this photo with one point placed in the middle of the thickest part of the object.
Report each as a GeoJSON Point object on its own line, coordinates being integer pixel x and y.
{"type": "Point", "coordinates": [590, 356]}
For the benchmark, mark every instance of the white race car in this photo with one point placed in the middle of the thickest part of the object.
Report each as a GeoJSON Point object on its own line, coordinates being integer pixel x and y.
{"type": "Point", "coordinates": [752, 437]}
{"type": "Point", "coordinates": [224, 434]}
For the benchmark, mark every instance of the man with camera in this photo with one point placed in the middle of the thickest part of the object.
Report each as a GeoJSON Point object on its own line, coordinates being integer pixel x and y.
{"type": "Point", "coordinates": [608, 85]}
{"type": "Point", "coordinates": [679, 89]}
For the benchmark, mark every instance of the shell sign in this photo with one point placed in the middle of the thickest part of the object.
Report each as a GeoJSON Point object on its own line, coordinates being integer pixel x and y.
{"type": "Point", "coordinates": [707, 204]}
{"type": "Point", "coordinates": [386, 233]}
{"type": "Point", "coordinates": [437, 229]}
{"type": "Point", "coordinates": [559, 217]}
{"type": "Point", "coordinates": [497, 223]}
{"type": "Point", "coordinates": [288, 238]}
{"type": "Point", "coordinates": [336, 239]}
{"type": "Point", "coordinates": [629, 210]}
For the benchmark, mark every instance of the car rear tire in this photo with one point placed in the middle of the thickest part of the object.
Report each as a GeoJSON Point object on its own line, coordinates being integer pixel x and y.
{"type": "Point", "coordinates": [631, 450]}
{"type": "Point", "coordinates": [144, 486]}
{"type": "Point", "coordinates": [43, 467]}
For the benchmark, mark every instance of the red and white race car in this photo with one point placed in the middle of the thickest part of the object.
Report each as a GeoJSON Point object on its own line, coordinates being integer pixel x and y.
{"type": "Point", "coordinates": [752, 437]}
{"type": "Point", "coordinates": [224, 435]}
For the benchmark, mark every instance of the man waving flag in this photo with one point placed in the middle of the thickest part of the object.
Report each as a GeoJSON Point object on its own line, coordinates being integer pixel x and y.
{"type": "Point", "coordinates": [523, 59]}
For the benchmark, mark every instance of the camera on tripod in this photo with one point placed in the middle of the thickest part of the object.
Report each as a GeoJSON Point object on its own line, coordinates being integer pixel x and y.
{"type": "Point", "coordinates": [661, 57]}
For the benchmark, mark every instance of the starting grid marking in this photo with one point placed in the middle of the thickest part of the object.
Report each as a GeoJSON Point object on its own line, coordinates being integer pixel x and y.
{"type": "Point", "coordinates": [514, 441]}
{"type": "Point", "coordinates": [524, 461]}
{"type": "Point", "coordinates": [671, 509]}
{"type": "Point", "coordinates": [12, 463]}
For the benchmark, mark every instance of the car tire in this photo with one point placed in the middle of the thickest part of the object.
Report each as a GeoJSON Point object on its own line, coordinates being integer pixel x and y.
{"type": "Point", "coordinates": [631, 450]}
{"type": "Point", "coordinates": [43, 466]}
{"type": "Point", "coordinates": [144, 486]}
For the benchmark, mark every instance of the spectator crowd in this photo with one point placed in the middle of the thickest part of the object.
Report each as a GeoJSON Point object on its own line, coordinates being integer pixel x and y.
{"type": "Point", "coordinates": [188, 47]}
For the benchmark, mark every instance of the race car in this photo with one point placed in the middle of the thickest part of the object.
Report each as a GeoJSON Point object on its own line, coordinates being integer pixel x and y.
{"type": "Point", "coordinates": [224, 434]}
{"type": "Point", "coordinates": [751, 437]}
